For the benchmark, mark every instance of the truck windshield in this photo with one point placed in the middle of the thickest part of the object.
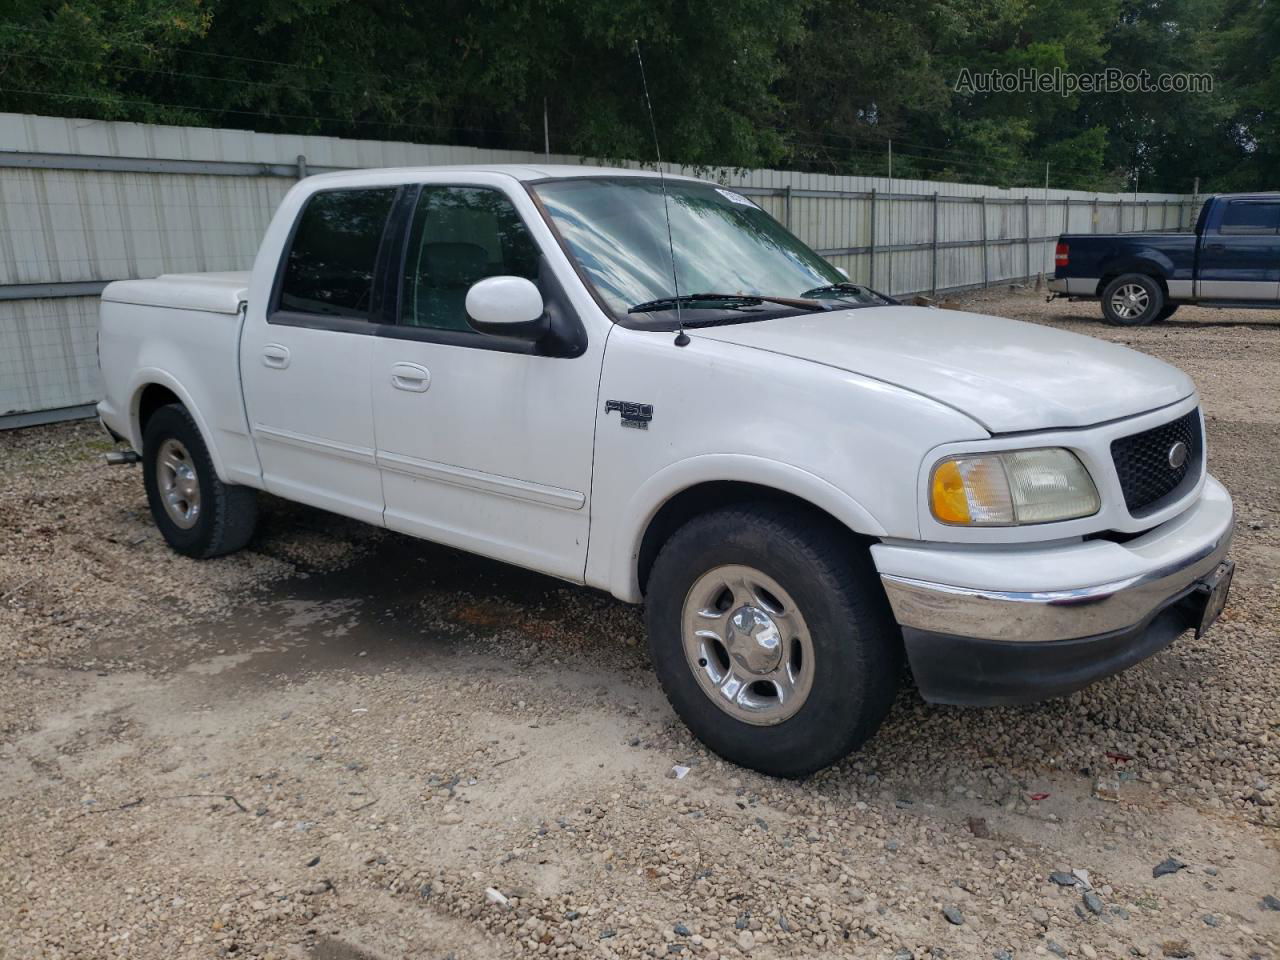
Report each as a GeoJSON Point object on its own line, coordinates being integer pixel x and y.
{"type": "Point", "coordinates": [616, 229]}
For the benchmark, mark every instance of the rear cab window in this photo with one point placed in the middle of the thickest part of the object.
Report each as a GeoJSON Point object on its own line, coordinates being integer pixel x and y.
{"type": "Point", "coordinates": [329, 269]}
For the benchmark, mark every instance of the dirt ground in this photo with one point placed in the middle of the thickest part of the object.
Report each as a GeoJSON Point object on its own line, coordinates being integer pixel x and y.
{"type": "Point", "coordinates": [342, 743]}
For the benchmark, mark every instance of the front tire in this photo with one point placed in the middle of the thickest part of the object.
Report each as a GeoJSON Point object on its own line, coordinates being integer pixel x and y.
{"type": "Point", "coordinates": [198, 514]}
{"type": "Point", "coordinates": [772, 637]}
{"type": "Point", "coordinates": [1132, 300]}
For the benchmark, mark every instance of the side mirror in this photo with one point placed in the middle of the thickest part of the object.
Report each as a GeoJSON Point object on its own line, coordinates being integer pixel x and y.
{"type": "Point", "coordinates": [507, 307]}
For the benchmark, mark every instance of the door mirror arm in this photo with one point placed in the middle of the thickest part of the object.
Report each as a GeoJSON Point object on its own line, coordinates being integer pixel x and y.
{"type": "Point", "coordinates": [532, 330]}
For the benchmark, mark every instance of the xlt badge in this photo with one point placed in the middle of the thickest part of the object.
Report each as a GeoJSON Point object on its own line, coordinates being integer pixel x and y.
{"type": "Point", "coordinates": [632, 414]}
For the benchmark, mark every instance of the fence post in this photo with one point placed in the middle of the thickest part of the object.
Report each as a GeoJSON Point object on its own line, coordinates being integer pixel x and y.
{"type": "Point", "coordinates": [1066, 215]}
{"type": "Point", "coordinates": [982, 210]}
{"type": "Point", "coordinates": [872, 281]}
{"type": "Point", "coordinates": [786, 200]}
{"type": "Point", "coordinates": [302, 167]}
{"type": "Point", "coordinates": [933, 274]}
{"type": "Point", "coordinates": [1026, 228]}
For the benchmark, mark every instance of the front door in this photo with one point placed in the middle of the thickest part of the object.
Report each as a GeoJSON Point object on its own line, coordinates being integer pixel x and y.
{"type": "Point", "coordinates": [1240, 254]}
{"type": "Point", "coordinates": [305, 356]}
{"type": "Point", "coordinates": [482, 443]}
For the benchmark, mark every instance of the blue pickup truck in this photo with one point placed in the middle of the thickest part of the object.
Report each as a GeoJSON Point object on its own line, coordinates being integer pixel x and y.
{"type": "Point", "coordinates": [1232, 260]}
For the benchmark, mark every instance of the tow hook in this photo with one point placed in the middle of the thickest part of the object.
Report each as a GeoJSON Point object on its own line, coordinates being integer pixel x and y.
{"type": "Point", "coordinates": [119, 458]}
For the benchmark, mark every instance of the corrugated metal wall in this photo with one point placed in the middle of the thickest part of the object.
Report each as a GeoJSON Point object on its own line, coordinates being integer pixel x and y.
{"type": "Point", "coordinates": [85, 202]}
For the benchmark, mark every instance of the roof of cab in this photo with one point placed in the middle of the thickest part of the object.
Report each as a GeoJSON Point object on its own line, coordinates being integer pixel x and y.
{"type": "Point", "coordinates": [1270, 195]}
{"type": "Point", "coordinates": [518, 171]}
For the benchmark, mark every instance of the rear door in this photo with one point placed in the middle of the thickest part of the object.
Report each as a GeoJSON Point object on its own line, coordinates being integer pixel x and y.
{"type": "Point", "coordinates": [305, 356]}
{"type": "Point", "coordinates": [1240, 252]}
{"type": "Point", "coordinates": [483, 443]}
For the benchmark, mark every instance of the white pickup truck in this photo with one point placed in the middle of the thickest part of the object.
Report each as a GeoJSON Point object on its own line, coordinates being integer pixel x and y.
{"type": "Point", "coordinates": [803, 480]}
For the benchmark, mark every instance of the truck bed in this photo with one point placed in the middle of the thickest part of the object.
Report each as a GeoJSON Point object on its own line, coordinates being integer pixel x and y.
{"type": "Point", "coordinates": [181, 334]}
{"type": "Point", "coordinates": [204, 292]}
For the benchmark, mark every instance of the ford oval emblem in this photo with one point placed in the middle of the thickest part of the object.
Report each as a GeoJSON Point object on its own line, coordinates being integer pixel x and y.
{"type": "Point", "coordinates": [1177, 455]}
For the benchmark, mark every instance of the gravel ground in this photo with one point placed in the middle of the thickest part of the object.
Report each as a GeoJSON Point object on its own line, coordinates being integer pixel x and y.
{"type": "Point", "coordinates": [341, 743]}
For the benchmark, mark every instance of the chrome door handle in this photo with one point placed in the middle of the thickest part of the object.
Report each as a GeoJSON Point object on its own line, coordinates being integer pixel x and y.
{"type": "Point", "coordinates": [411, 377]}
{"type": "Point", "coordinates": [275, 355]}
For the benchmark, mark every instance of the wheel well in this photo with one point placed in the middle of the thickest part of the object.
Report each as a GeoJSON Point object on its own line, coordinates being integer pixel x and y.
{"type": "Point", "coordinates": [703, 497]}
{"type": "Point", "coordinates": [154, 396]}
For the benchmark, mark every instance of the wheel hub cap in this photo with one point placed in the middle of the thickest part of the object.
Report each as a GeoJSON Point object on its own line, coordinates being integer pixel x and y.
{"type": "Point", "coordinates": [1130, 301]}
{"type": "Point", "coordinates": [178, 484]}
{"type": "Point", "coordinates": [747, 644]}
{"type": "Point", "coordinates": [753, 640]}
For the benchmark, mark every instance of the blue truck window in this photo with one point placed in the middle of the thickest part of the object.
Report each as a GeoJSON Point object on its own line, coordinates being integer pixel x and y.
{"type": "Point", "coordinates": [1250, 217]}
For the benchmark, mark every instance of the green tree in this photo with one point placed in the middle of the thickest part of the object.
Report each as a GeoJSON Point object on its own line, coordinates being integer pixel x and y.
{"type": "Point", "coordinates": [817, 84]}
{"type": "Point", "coordinates": [458, 71]}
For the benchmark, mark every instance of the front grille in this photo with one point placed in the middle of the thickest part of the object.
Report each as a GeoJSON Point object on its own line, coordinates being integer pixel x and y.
{"type": "Point", "coordinates": [1142, 462]}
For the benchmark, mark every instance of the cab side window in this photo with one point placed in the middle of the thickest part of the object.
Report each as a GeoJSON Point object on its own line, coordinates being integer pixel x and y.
{"type": "Point", "coordinates": [1250, 217]}
{"type": "Point", "coordinates": [460, 235]}
{"type": "Point", "coordinates": [330, 266]}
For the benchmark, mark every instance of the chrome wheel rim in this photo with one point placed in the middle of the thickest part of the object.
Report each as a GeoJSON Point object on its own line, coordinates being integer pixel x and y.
{"type": "Point", "coordinates": [178, 484]}
{"type": "Point", "coordinates": [1130, 300]}
{"type": "Point", "coordinates": [747, 644]}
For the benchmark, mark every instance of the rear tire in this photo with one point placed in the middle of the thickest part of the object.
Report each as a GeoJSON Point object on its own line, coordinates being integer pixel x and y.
{"type": "Point", "coordinates": [782, 608]}
{"type": "Point", "coordinates": [1132, 300]}
{"type": "Point", "coordinates": [198, 514]}
{"type": "Point", "coordinates": [1169, 310]}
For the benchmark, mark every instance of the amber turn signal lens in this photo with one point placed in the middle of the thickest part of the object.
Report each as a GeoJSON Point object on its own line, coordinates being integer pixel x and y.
{"type": "Point", "coordinates": [950, 503]}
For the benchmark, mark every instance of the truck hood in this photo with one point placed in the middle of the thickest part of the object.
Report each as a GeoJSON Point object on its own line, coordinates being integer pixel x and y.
{"type": "Point", "coordinates": [1007, 375]}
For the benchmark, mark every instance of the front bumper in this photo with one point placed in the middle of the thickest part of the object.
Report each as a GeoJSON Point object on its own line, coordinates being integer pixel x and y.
{"type": "Point", "coordinates": [1077, 612]}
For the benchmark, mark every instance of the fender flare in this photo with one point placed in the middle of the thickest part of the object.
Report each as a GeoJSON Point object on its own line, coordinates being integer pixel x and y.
{"type": "Point", "coordinates": [145, 377]}
{"type": "Point", "coordinates": [1147, 262]}
{"type": "Point", "coordinates": [675, 478]}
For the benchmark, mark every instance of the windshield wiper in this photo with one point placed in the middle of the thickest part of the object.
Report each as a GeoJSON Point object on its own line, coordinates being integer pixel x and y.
{"type": "Point", "coordinates": [707, 301]}
{"type": "Point", "coordinates": [837, 288]}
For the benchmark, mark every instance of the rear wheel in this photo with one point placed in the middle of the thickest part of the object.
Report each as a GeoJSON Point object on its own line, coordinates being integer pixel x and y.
{"type": "Point", "coordinates": [1132, 300]}
{"type": "Point", "coordinates": [1169, 310]}
{"type": "Point", "coordinates": [197, 513]}
{"type": "Point", "coordinates": [772, 637]}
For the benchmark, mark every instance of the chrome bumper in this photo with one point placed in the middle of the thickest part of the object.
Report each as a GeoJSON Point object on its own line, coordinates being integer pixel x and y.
{"type": "Point", "coordinates": [1048, 615]}
{"type": "Point", "coordinates": [1052, 615]}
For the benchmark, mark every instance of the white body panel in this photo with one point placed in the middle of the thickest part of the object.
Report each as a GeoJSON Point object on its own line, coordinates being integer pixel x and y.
{"type": "Point", "coordinates": [727, 412]}
{"type": "Point", "coordinates": [307, 395]}
{"type": "Point", "coordinates": [468, 464]}
{"type": "Point", "coordinates": [1009, 375]}
{"type": "Point", "coordinates": [518, 457]}
{"type": "Point", "coordinates": [190, 351]}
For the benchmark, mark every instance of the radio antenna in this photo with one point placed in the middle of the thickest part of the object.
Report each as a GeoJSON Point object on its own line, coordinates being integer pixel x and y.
{"type": "Point", "coordinates": [682, 338]}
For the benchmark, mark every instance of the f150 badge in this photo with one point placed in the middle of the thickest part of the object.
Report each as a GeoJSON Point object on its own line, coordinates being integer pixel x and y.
{"type": "Point", "coordinates": [634, 415]}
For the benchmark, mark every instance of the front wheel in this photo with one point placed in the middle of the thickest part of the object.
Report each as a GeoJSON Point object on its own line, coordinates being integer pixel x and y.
{"type": "Point", "coordinates": [1132, 300]}
{"type": "Point", "coordinates": [772, 637]}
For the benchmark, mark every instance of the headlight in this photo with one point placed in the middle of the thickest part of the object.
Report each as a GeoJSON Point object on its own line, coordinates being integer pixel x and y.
{"type": "Point", "coordinates": [1020, 486]}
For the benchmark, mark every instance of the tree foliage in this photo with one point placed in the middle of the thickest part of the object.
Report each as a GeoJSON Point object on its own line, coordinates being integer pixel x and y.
{"type": "Point", "coordinates": [819, 84]}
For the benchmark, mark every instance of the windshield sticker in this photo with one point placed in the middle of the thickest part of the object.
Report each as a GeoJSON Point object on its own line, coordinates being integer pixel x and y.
{"type": "Point", "coordinates": [734, 197]}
